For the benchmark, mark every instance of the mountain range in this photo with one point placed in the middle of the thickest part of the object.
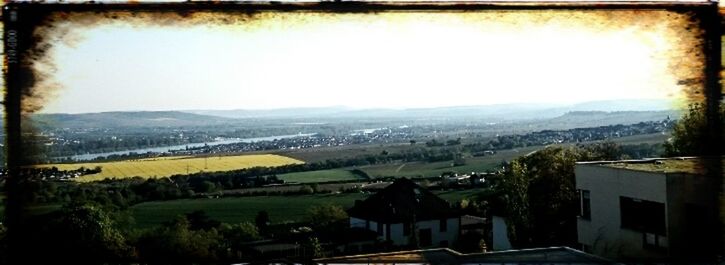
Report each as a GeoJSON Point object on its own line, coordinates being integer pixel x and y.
{"type": "Point", "coordinates": [492, 113]}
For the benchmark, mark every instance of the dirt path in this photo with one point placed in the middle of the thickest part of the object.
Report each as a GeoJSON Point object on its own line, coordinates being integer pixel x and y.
{"type": "Point", "coordinates": [399, 168]}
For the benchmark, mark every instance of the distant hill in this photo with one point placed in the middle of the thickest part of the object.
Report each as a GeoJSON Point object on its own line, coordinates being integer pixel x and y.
{"type": "Point", "coordinates": [273, 113]}
{"type": "Point", "coordinates": [497, 112]}
{"type": "Point", "coordinates": [582, 119]}
{"type": "Point", "coordinates": [127, 119]}
{"type": "Point", "coordinates": [614, 112]}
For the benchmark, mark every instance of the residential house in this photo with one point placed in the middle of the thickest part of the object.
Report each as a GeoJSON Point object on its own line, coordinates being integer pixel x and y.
{"type": "Point", "coordinates": [405, 213]}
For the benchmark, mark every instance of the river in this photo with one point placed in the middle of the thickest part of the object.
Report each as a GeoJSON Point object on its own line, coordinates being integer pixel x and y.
{"type": "Point", "coordinates": [190, 145]}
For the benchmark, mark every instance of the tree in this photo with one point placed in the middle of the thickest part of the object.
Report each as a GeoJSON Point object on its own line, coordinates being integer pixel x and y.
{"type": "Point", "coordinates": [306, 190]}
{"type": "Point", "coordinates": [325, 215]}
{"type": "Point", "coordinates": [690, 133]}
{"type": "Point", "coordinates": [176, 243]}
{"type": "Point", "coordinates": [315, 247]}
{"type": "Point", "coordinates": [540, 198]}
{"type": "Point", "coordinates": [516, 189]}
{"type": "Point", "coordinates": [199, 220]}
{"type": "Point", "coordinates": [262, 221]}
{"type": "Point", "coordinates": [236, 235]}
{"type": "Point", "coordinates": [607, 150]}
{"type": "Point", "coordinates": [83, 233]}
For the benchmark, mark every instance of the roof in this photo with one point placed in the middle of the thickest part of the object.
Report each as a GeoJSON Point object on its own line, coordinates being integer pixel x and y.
{"type": "Point", "coordinates": [448, 256]}
{"type": "Point", "coordinates": [688, 165]}
{"type": "Point", "coordinates": [402, 201]}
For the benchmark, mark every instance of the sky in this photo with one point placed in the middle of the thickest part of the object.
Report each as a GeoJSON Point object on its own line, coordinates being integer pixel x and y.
{"type": "Point", "coordinates": [388, 60]}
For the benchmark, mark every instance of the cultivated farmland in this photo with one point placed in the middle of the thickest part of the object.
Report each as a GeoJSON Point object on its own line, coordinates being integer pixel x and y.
{"type": "Point", "coordinates": [280, 208]}
{"type": "Point", "coordinates": [168, 166]}
{"type": "Point", "coordinates": [320, 176]}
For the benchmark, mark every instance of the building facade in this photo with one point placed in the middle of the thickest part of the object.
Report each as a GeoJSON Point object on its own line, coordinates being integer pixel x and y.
{"type": "Point", "coordinates": [646, 209]}
{"type": "Point", "coordinates": [406, 214]}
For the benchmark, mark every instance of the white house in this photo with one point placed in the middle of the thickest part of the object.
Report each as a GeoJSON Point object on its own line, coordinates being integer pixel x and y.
{"type": "Point", "coordinates": [656, 209]}
{"type": "Point", "coordinates": [404, 213]}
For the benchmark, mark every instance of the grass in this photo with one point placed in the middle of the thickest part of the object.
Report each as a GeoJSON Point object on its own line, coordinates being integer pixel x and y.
{"type": "Point", "coordinates": [654, 138]}
{"type": "Point", "coordinates": [35, 209]}
{"type": "Point", "coordinates": [458, 195]}
{"type": "Point", "coordinates": [433, 169]}
{"type": "Point", "coordinates": [320, 176]}
{"type": "Point", "coordinates": [168, 166]}
{"type": "Point", "coordinates": [234, 210]}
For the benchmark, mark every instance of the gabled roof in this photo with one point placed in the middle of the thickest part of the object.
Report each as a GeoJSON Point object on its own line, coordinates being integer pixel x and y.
{"type": "Point", "coordinates": [400, 202]}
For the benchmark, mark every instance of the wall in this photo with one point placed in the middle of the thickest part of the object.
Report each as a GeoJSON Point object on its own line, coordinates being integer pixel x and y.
{"type": "Point", "coordinates": [500, 234]}
{"type": "Point", "coordinates": [396, 231]}
{"type": "Point", "coordinates": [603, 234]}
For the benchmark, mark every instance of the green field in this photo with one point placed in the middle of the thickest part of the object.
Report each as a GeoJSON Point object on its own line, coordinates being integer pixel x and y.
{"type": "Point", "coordinates": [434, 169]}
{"type": "Point", "coordinates": [655, 138]}
{"type": "Point", "coordinates": [320, 176]}
{"type": "Point", "coordinates": [168, 166]}
{"type": "Point", "coordinates": [233, 210]}
{"type": "Point", "coordinates": [34, 209]}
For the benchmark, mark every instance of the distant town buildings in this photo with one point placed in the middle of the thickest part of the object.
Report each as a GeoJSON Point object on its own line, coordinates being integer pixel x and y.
{"type": "Point", "coordinates": [648, 209]}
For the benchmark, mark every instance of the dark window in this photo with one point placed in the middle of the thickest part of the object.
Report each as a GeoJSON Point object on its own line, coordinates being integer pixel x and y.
{"type": "Point", "coordinates": [425, 237]}
{"type": "Point", "coordinates": [444, 225]}
{"type": "Point", "coordinates": [367, 224]}
{"type": "Point", "coordinates": [387, 232]}
{"type": "Point", "coordinates": [406, 229]}
{"type": "Point", "coordinates": [586, 207]}
{"type": "Point", "coordinates": [380, 228]}
{"type": "Point", "coordinates": [654, 241]}
{"type": "Point", "coordinates": [643, 216]}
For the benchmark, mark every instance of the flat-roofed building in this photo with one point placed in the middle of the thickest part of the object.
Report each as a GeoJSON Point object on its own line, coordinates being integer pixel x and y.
{"type": "Point", "coordinates": [648, 209]}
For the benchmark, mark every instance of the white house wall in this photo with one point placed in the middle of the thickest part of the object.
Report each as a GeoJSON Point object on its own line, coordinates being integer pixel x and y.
{"type": "Point", "coordinates": [396, 230]}
{"type": "Point", "coordinates": [603, 232]}
{"type": "Point", "coordinates": [500, 234]}
{"type": "Point", "coordinates": [451, 234]}
{"type": "Point", "coordinates": [357, 222]}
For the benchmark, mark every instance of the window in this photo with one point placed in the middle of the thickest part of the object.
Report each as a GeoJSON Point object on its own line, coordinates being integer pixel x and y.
{"type": "Point", "coordinates": [367, 224]}
{"type": "Point", "coordinates": [444, 225]}
{"type": "Point", "coordinates": [586, 208]}
{"type": "Point", "coordinates": [643, 216]}
{"type": "Point", "coordinates": [654, 241]}
{"type": "Point", "coordinates": [406, 229]}
{"type": "Point", "coordinates": [444, 243]}
{"type": "Point", "coordinates": [380, 228]}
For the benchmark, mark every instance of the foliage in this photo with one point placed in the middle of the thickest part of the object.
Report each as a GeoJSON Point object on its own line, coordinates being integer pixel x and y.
{"type": "Point", "coordinates": [690, 134]}
{"type": "Point", "coordinates": [326, 214]}
{"type": "Point", "coordinates": [262, 221]}
{"type": "Point", "coordinates": [199, 220]}
{"type": "Point", "coordinates": [540, 197]}
{"type": "Point", "coordinates": [80, 233]}
{"type": "Point", "coordinates": [315, 247]}
{"type": "Point", "coordinates": [237, 234]}
{"type": "Point", "coordinates": [177, 243]}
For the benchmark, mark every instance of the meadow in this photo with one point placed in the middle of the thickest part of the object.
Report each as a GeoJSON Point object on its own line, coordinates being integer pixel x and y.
{"type": "Point", "coordinates": [320, 176]}
{"type": "Point", "coordinates": [168, 166]}
{"type": "Point", "coordinates": [281, 209]}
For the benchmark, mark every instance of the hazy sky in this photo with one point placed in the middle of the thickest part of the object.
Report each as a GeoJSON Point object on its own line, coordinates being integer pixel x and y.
{"type": "Point", "coordinates": [358, 60]}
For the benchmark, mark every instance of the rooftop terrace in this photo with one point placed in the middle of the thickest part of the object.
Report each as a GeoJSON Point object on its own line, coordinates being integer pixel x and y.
{"type": "Point", "coordinates": [690, 165]}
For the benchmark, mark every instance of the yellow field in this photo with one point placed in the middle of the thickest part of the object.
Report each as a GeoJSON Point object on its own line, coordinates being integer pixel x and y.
{"type": "Point", "coordinates": [168, 166]}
